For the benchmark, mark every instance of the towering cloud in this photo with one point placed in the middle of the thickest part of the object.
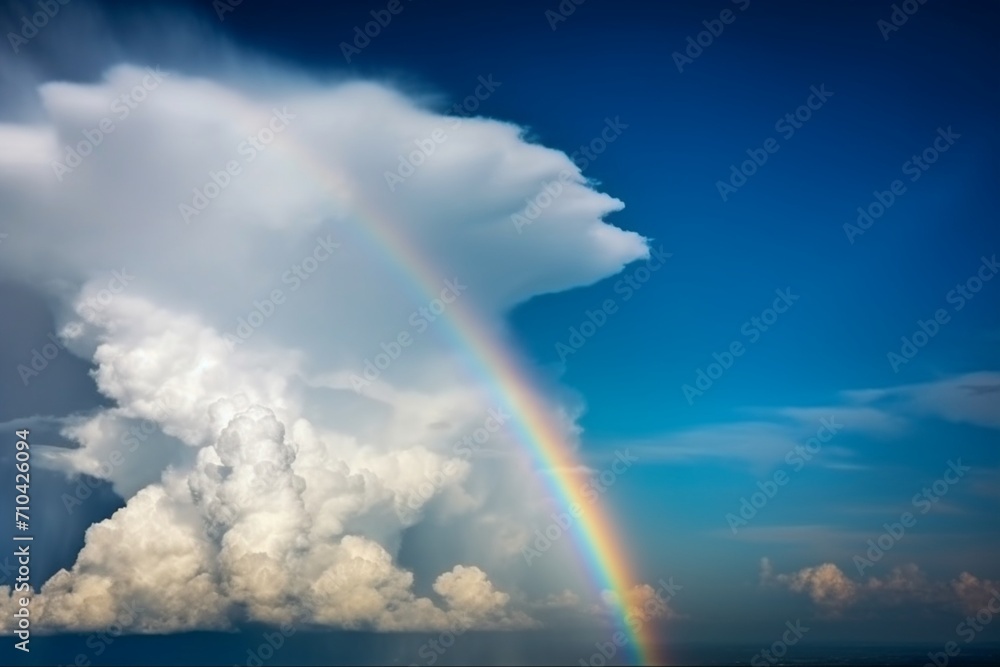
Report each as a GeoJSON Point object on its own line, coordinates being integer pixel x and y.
{"type": "Point", "coordinates": [274, 326]}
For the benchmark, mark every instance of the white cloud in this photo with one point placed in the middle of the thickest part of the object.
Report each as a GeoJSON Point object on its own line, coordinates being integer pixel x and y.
{"type": "Point", "coordinates": [975, 594]}
{"type": "Point", "coordinates": [647, 603]}
{"type": "Point", "coordinates": [867, 420]}
{"type": "Point", "coordinates": [759, 444]}
{"type": "Point", "coordinates": [825, 584]}
{"type": "Point", "coordinates": [267, 489]}
{"type": "Point", "coordinates": [972, 398]}
{"type": "Point", "coordinates": [833, 592]}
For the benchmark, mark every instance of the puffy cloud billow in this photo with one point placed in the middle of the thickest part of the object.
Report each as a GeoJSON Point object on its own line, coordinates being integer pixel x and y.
{"type": "Point", "coordinates": [833, 592]}
{"type": "Point", "coordinates": [215, 243]}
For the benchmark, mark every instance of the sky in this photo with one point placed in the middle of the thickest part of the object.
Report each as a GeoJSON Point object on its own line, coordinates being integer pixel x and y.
{"type": "Point", "coordinates": [739, 256]}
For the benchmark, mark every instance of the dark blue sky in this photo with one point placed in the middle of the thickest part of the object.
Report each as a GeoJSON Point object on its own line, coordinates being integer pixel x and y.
{"type": "Point", "coordinates": [932, 84]}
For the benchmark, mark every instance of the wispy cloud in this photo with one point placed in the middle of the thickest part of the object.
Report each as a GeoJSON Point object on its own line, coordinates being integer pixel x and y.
{"type": "Point", "coordinates": [885, 413]}
{"type": "Point", "coordinates": [972, 398]}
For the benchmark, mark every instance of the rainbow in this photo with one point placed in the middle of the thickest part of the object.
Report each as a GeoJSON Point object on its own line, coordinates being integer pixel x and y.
{"type": "Point", "coordinates": [595, 535]}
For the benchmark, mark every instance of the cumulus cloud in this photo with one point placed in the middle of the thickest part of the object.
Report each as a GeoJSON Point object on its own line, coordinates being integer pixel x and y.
{"type": "Point", "coordinates": [825, 584]}
{"type": "Point", "coordinates": [833, 592]}
{"type": "Point", "coordinates": [643, 603]}
{"type": "Point", "coordinates": [975, 594]}
{"type": "Point", "coordinates": [564, 599]}
{"type": "Point", "coordinates": [648, 603]}
{"type": "Point", "coordinates": [228, 325]}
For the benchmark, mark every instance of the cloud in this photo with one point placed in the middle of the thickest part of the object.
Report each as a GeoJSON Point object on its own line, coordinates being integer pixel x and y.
{"type": "Point", "coordinates": [868, 420]}
{"type": "Point", "coordinates": [972, 398]}
{"type": "Point", "coordinates": [760, 444]}
{"type": "Point", "coordinates": [825, 584]}
{"type": "Point", "coordinates": [263, 487]}
{"type": "Point", "coordinates": [974, 593]}
{"type": "Point", "coordinates": [825, 536]}
{"type": "Point", "coordinates": [564, 599]}
{"type": "Point", "coordinates": [985, 482]}
{"type": "Point", "coordinates": [834, 593]}
{"type": "Point", "coordinates": [753, 442]}
{"type": "Point", "coordinates": [647, 603]}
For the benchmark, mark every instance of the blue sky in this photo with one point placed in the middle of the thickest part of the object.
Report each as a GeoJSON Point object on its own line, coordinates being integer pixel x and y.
{"type": "Point", "coordinates": [928, 89]}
